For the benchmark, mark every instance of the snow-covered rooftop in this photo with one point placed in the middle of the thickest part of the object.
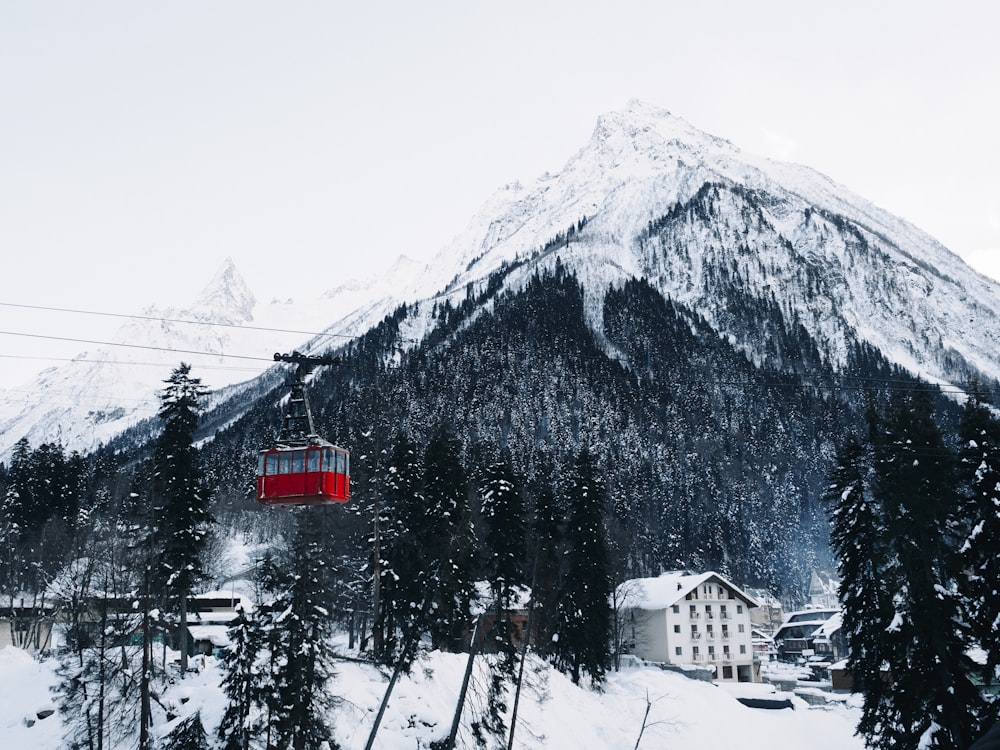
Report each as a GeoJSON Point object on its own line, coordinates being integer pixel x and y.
{"type": "Point", "coordinates": [669, 588]}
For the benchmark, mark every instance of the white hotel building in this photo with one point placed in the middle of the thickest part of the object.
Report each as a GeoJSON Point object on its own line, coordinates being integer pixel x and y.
{"type": "Point", "coordinates": [684, 618]}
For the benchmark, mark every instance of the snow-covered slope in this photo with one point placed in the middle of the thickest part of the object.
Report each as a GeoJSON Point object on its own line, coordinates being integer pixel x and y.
{"type": "Point", "coordinates": [553, 713]}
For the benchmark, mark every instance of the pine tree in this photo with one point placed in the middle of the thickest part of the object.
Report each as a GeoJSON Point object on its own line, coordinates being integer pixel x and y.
{"type": "Point", "coordinates": [20, 505]}
{"type": "Point", "coordinates": [932, 701]}
{"type": "Point", "coordinates": [297, 623]}
{"type": "Point", "coordinates": [584, 610]}
{"type": "Point", "coordinates": [182, 520]}
{"type": "Point", "coordinates": [503, 511]}
{"type": "Point", "coordinates": [979, 468]}
{"type": "Point", "coordinates": [242, 683]}
{"type": "Point", "coordinates": [860, 539]}
{"type": "Point", "coordinates": [189, 734]}
{"type": "Point", "coordinates": [547, 563]}
{"type": "Point", "coordinates": [403, 573]}
{"type": "Point", "coordinates": [445, 531]}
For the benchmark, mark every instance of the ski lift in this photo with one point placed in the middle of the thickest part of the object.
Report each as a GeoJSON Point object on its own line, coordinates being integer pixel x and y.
{"type": "Point", "coordinates": [302, 468]}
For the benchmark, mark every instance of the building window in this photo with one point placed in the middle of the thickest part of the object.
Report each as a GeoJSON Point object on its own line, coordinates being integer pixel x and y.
{"type": "Point", "coordinates": [678, 651]}
{"type": "Point", "coordinates": [727, 673]}
{"type": "Point", "coordinates": [694, 631]}
{"type": "Point", "coordinates": [725, 631]}
{"type": "Point", "coordinates": [725, 650]}
{"type": "Point", "coordinates": [708, 627]}
{"type": "Point", "coordinates": [677, 609]}
{"type": "Point", "coordinates": [739, 609]}
{"type": "Point", "coordinates": [743, 649]}
{"type": "Point", "coordinates": [708, 610]}
{"type": "Point", "coordinates": [677, 628]}
{"type": "Point", "coordinates": [711, 649]}
{"type": "Point", "coordinates": [694, 650]}
{"type": "Point", "coordinates": [742, 630]}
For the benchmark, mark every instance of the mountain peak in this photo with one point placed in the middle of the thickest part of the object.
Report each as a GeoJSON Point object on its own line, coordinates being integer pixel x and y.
{"type": "Point", "coordinates": [646, 132]}
{"type": "Point", "coordinates": [227, 297]}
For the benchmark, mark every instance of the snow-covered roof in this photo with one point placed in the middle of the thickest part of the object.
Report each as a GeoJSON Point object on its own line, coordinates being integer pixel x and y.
{"type": "Point", "coordinates": [831, 626]}
{"type": "Point", "coordinates": [811, 623]}
{"type": "Point", "coordinates": [764, 597]}
{"type": "Point", "coordinates": [759, 635]}
{"type": "Point", "coordinates": [217, 635]}
{"type": "Point", "coordinates": [669, 588]}
{"type": "Point", "coordinates": [812, 615]}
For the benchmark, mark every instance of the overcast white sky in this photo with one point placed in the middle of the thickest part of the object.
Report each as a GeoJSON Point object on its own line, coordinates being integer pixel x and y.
{"type": "Point", "coordinates": [143, 143]}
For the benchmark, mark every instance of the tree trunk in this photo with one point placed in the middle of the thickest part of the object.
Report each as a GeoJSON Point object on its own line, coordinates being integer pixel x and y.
{"type": "Point", "coordinates": [182, 636]}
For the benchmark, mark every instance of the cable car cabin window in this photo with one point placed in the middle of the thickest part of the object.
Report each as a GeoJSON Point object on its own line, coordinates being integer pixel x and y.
{"type": "Point", "coordinates": [327, 459]}
{"type": "Point", "coordinates": [260, 464]}
{"type": "Point", "coordinates": [347, 462]}
{"type": "Point", "coordinates": [312, 460]}
{"type": "Point", "coordinates": [271, 464]}
{"type": "Point", "coordinates": [285, 463]}
{"type": "Point", "coordinates": [298, 462]}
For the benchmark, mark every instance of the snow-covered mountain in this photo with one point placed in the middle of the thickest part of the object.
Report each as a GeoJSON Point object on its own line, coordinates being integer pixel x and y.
{"type": "Point", "coordinates": [842, 267]}
{"type": "Point", "coordinates": [649, 196]}
{"type": "Point", "coordinates": [226, 334]}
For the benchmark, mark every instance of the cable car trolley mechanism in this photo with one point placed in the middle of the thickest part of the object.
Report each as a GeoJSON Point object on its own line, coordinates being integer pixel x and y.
{"type": "Point", "coordinates": [302, 468]}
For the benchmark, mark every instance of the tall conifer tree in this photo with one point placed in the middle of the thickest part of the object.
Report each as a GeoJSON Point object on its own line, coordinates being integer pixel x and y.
{"type": "Point", "coordinates": [548, 548]}
{"type": "Point", "coordinates": [449, 540]}
{"type": "Point", "coordinates": [584, 610]}
{"type": "Point", "coordinates": [932, 702]}
{"type": "Point", "coordinates": [860, 540]}
{"type": "Point", "coordinates": [182, 520]}
{"type": "Point", "coordinates": [503, 511]}
{"type": "Point", "coordinates": [297, 624]}
{"type": "Point", "coordinates": [403, 575]}
{"type": "Point", "coordinates": [242, 683]}
{"type": "Point", "coordinates": [979, 470]}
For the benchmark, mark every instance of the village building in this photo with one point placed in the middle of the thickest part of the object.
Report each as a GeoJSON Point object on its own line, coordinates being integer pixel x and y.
{"type": "Point", "coordinates": [682, 618]}
{"type": "Point", "coordinates": [763, 645]}
{"type": "Point", "coordinates": [26, 623]}
{"type": "Point", "coordinates": [769, 614]}
{"type": "Point", "coordinates": [208, 620]}
{"type": "Point", "coordinates": [810, 633]}
{"type": "Point", "coordinates": [824, 591]}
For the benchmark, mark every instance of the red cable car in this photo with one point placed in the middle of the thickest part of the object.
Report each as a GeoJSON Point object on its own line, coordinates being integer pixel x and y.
{"type": "Point", "coordinates": [313, 475]}
{"type": "Point", "coordinates": [302, 468]}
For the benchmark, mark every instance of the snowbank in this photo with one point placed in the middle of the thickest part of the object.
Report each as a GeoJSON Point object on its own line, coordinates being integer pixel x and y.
{"type": "Point", "coordinates": [553, 712]}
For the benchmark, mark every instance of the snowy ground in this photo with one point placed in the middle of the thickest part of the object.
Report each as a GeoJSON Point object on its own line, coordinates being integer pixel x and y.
{"type": "Point", "coordinates": [553, 712]}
